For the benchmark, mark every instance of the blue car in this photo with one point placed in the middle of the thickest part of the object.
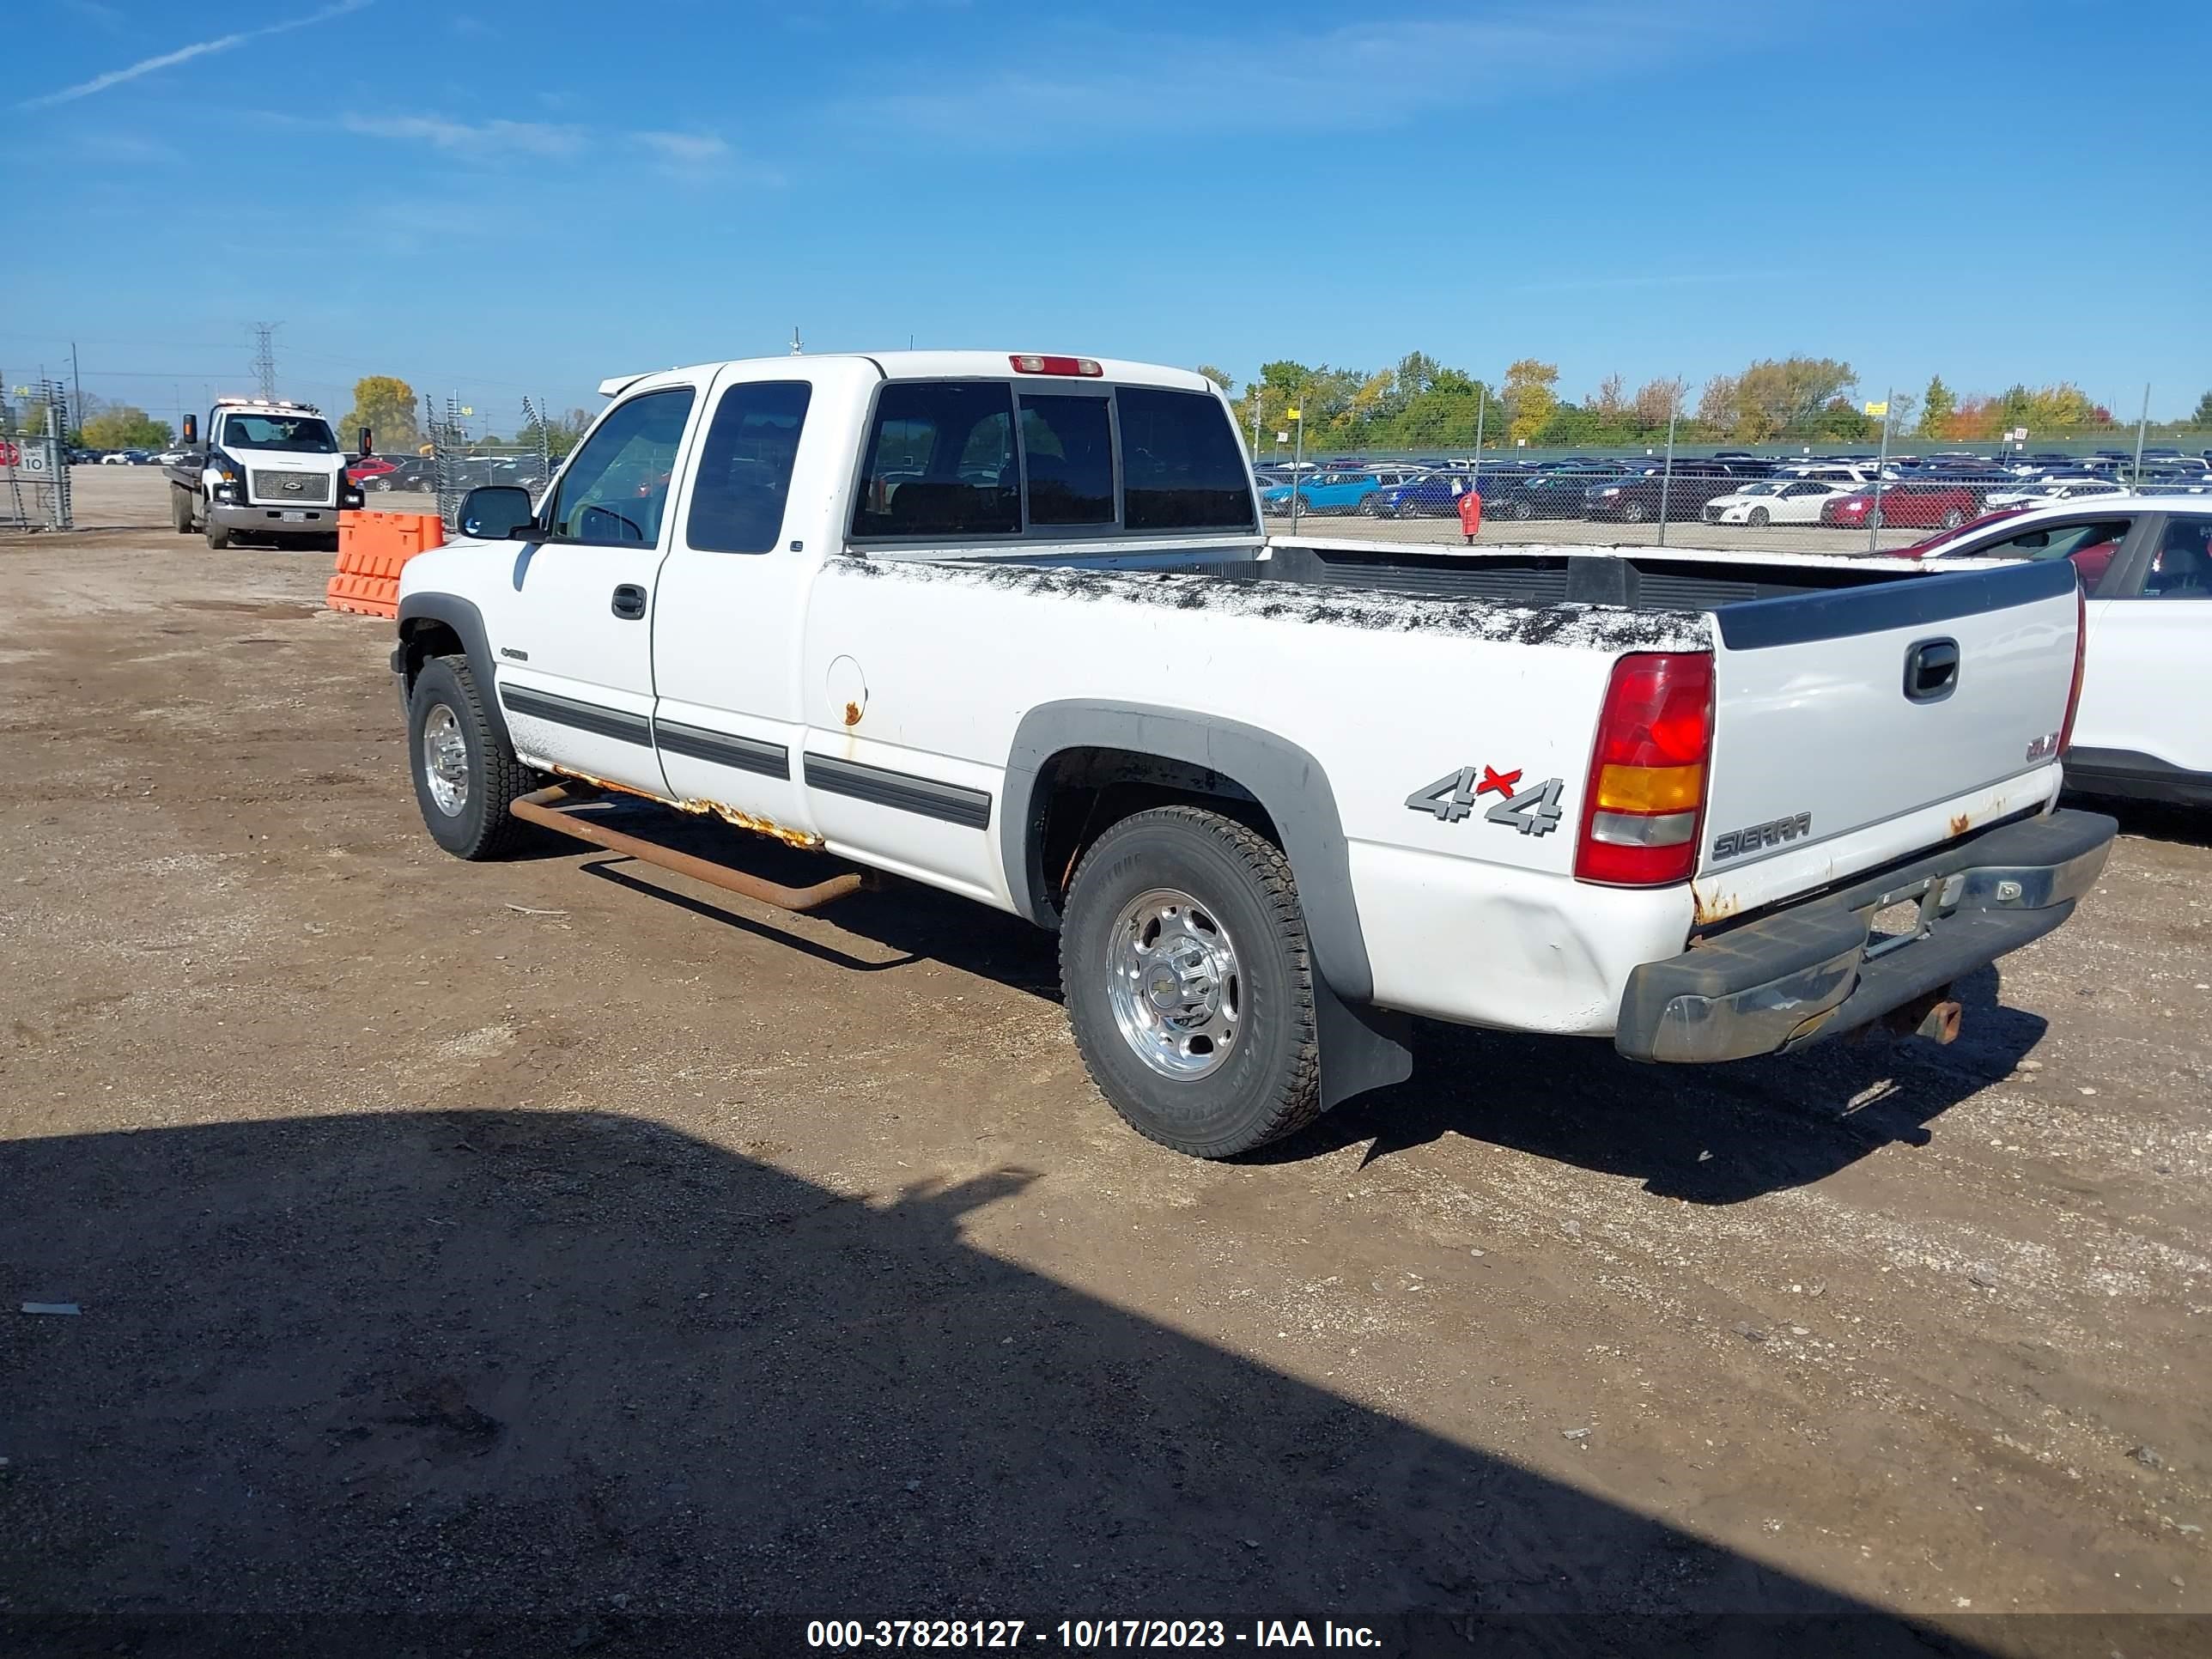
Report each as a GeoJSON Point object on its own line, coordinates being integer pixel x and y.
{"type": "Point", "coordinates": [1436, 494]}
{"type": "Point", "coordinates": [1332, 491]}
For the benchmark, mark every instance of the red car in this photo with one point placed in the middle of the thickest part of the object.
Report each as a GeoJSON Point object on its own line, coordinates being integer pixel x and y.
{"type": "Point", "coordinates": [1924, 506]}
{"type": "Point", "coordinates": [369, 466]}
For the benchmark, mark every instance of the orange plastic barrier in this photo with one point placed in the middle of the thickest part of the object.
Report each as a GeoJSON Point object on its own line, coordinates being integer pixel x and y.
{"type": "Point", "coordinates": [371, 548]}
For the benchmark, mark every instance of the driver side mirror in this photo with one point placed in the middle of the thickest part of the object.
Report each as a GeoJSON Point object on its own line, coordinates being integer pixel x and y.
{"type": "Point", "coordinates": [495, 513]}
{"type": "Point", "coordinates": [365, 451]}
{"type": "Point", "coordinates": [192, 431]}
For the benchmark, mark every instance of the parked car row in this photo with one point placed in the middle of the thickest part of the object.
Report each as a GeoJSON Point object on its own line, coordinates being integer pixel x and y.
{"type": "Point", "coordinates": [1731, 487]}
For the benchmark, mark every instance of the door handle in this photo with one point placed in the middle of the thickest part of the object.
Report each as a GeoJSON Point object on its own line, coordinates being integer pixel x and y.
{"type": "Point", "coordinates": [629, 602]}
{"type": "Point", "coordinates": [1931, 671]}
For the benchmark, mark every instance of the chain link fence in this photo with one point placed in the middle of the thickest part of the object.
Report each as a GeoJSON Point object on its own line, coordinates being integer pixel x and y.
{"type": "Point", "coordinates": [34, 475]}
{"type": "Point", "coordinates": [1395, 456]}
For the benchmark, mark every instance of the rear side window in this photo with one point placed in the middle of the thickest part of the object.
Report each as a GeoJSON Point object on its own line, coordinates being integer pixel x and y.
{"type": "Point", "coordinates": [1067, 449]}
{"type": "Point", "coordinates": [941, 462]}
{"type": "Point", "coordinates": [744, 467]}
{"type": "Point", "coordinates": [1183, 467]}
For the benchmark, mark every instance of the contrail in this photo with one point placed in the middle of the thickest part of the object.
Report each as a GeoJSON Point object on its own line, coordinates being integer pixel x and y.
{"type": "Point", "coordinates": [182, 54]}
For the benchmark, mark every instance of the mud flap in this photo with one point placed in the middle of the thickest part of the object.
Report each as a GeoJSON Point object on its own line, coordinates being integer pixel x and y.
{"type": "Point", "coordinates": [1362, 1048]}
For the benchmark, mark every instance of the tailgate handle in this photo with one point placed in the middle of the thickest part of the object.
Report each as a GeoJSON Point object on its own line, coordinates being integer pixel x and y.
{"type": "Point", "coordinates": [1931, 671]}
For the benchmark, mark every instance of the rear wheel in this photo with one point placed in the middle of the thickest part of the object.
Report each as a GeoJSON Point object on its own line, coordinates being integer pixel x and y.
{"type": "Point", "coordinates": [1188, 982]}
{"type": "Point", "coordinates": [180, 510]}
{"type": "Point", "coordinates": [1521, 510]}
{"type": "Point", "coordinates": [1953, 518]}
{"type": "Point", "coordinates": [1370, 507]}
{"type": "Point", "coordinates": [465, 774]}
{"type": "Point", "coordinates": [1632, 512]}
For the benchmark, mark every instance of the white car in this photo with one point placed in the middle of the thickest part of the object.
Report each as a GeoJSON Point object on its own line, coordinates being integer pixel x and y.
{"type": "Point", "coordinates": [2146, 568]}
{"type": "Point", "coordinates": [1775, 500]}
{"type": "Point", "coordinates": [1006, 624]}
{"type": "Point", "coordinates": [2049, 492]}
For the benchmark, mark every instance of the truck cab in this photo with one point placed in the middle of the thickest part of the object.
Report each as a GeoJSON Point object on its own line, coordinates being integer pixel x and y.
{"type": "Point", "coordinates": [269, 468]}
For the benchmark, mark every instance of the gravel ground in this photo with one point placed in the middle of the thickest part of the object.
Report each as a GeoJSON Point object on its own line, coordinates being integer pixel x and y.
{"type": "Point", "coordinates": [551, 1239]}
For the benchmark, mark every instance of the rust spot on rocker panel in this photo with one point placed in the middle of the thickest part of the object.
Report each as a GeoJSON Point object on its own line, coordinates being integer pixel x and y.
{"type": "Point", "coordinates": [1714, 905]}
{"type": "Point", "coordinates": [729, 815]}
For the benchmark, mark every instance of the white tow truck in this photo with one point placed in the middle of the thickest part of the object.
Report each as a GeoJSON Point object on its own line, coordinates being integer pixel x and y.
{"type": "Point", "coordinates": [270, 469]}
{"type": "Point", "coordinates": [1007, 624]}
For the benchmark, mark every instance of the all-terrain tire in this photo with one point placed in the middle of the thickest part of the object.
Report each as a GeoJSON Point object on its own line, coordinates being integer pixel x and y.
{"type": "Point", "coordinates": [180, 510]}
{"type": "Point", "coordinates": [480, 827]}
{"type": "Point", "coordinates": [1268, 1084]}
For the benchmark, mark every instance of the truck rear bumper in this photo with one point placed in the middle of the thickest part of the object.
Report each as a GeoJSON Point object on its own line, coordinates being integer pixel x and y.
{"type": "Point", "coordinates": [1819, 969]}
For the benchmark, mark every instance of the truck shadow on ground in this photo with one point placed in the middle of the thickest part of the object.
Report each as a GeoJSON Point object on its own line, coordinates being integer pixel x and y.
{"type": "Point", "coordinates": [563, 1380]}
{"type": "Point", "coordinates": [1707, 1135]}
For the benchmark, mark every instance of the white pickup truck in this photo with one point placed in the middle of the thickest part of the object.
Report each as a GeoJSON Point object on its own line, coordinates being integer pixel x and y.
{"type": "Point", "coordinates": [1007, 625]}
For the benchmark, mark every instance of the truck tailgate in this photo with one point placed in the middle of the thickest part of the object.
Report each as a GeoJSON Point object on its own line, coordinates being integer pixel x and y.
{"type": "Point", "coordinates": [1857, 727]}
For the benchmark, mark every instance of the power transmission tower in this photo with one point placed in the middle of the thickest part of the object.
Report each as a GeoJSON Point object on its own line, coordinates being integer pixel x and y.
{"type": "Point", "coordinates": [264, 357]}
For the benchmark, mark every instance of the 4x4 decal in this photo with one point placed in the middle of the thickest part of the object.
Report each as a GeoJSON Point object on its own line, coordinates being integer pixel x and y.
{"type": "Point", "coordinates": [1533, 810]}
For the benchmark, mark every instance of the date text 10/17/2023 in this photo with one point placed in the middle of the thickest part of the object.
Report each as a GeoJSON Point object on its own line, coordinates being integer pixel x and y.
{"type": "Point", "coordinates": [1084, 1634]}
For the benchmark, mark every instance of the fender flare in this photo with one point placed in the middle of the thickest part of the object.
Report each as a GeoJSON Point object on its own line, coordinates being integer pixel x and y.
{"type": "Point", "coordinates": [1362, 1046]}
{"type": "Point", "coordinates": [464, 619]}
{"type": "Point", "coordinates": [1287, 782]}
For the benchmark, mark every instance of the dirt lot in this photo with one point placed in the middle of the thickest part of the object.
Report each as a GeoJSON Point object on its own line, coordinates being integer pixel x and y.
{"type": "Point", "coordinates": [551, 1238]}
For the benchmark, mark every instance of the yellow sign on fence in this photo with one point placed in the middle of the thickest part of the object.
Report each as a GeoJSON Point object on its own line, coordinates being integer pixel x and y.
{"type": "Point", "coordinates": [1879, 408]}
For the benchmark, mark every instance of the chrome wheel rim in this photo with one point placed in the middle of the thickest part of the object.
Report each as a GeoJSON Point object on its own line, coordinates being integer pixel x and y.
{"type": "Point", "coordinates": [1173, 980]}
{"type": "Point", "coordinates": [446, 760]}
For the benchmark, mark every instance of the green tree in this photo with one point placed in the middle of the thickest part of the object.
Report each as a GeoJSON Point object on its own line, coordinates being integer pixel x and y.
{"type": "Point", "coordinates": [2201, 420]}
{"type": "Point", "coordinates": [1937, 405]}
{"type": "Point", "coordinates": [1782, 395]}
{"type": "Point", "coordinates": [1219, 377]}
{"type": "Point", "coordinates": [386, 406]}
{"type": "Point", "coordinates": [1529, 398]}
{"type": "Point", "coordinates": [121, 426]}
{"type": "Point", "coordinates": [562, 433]}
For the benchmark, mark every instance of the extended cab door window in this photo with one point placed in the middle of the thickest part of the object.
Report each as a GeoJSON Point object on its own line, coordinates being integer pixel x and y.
{"type": "Point", "coordinates": [941, 462]}
{"type": "Point", "coordinates": [744, 467]}
{"type": "Point", "coordinates": [616, 488]}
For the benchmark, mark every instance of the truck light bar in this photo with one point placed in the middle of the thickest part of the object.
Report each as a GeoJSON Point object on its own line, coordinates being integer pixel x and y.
{"type": "Point", "coordinates": [267, 403]}
{"type": "Point", "coordinates": [1031, 363]}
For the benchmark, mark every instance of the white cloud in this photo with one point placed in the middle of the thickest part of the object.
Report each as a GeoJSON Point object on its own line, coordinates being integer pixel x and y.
{"type": "Point", "coordinates": [1365, 75]}
{"type": "Point", "coordinates": [690, 149]}
{"type": "Point", "coordinates": [478, 138]}
{"type": "Point", "coordinates": [185, 54]}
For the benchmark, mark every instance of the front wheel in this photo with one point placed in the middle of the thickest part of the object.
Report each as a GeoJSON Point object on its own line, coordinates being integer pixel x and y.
{"type": "Point", "coordinates": [1521, 510]}
{"type": "Point", "coordinates": [466, 776]}
{"type": "Point", "coordinates": [218, 535]}
{"type": "Point", "coordinates": [1189, 981]}
{"type": "Point", "coordinates": [1760, 516]}
{"type": "Point", "coordinates": [1953, 518]}
{"type": "Point", "coordinates": [1633, 512]}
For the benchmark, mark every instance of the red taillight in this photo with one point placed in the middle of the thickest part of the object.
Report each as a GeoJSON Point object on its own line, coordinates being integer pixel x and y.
{"type": "Point", "coordinates": [2081, 651]}
{"type": "Point", "coordinates": [1647, 779]}
{"type": "Point", "coordinates": [1031, 363]}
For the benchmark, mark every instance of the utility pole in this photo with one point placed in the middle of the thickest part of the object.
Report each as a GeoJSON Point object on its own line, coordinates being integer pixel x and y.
{"type": "Point", "coordinates": [1667, 474]}
{"type": "Point", "coordinates": [1880, 467]}
{"type": "Point", "coordinates": [1256, 399]}
{"type": "Point", "coordinates": [1481, 409]}
{"type": "Point", "coordinates": [798, 349]}
{"type": "Point", "coordinates": [77, 384]}
{"type": "Point", "coordinates": [264, 357]}
{"type": "Point", "coordinates": [2139, 424]}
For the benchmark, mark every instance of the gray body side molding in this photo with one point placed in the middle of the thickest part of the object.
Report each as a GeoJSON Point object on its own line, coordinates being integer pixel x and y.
{"type": "Point", "coordinates": [1362, 1046]}
{"type": "Point", "coordinates": [465, 620]}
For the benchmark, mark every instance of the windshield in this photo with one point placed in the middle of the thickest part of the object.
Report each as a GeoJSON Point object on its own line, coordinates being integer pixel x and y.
{"type": "Point", "coordinates": [1758, 490]}
{"type": "Point", "coordinates": [293, 434]}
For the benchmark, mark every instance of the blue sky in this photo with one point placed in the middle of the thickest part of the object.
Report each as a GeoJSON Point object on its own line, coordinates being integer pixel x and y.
{"type": "Point", "coordinates": [501, 199]}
